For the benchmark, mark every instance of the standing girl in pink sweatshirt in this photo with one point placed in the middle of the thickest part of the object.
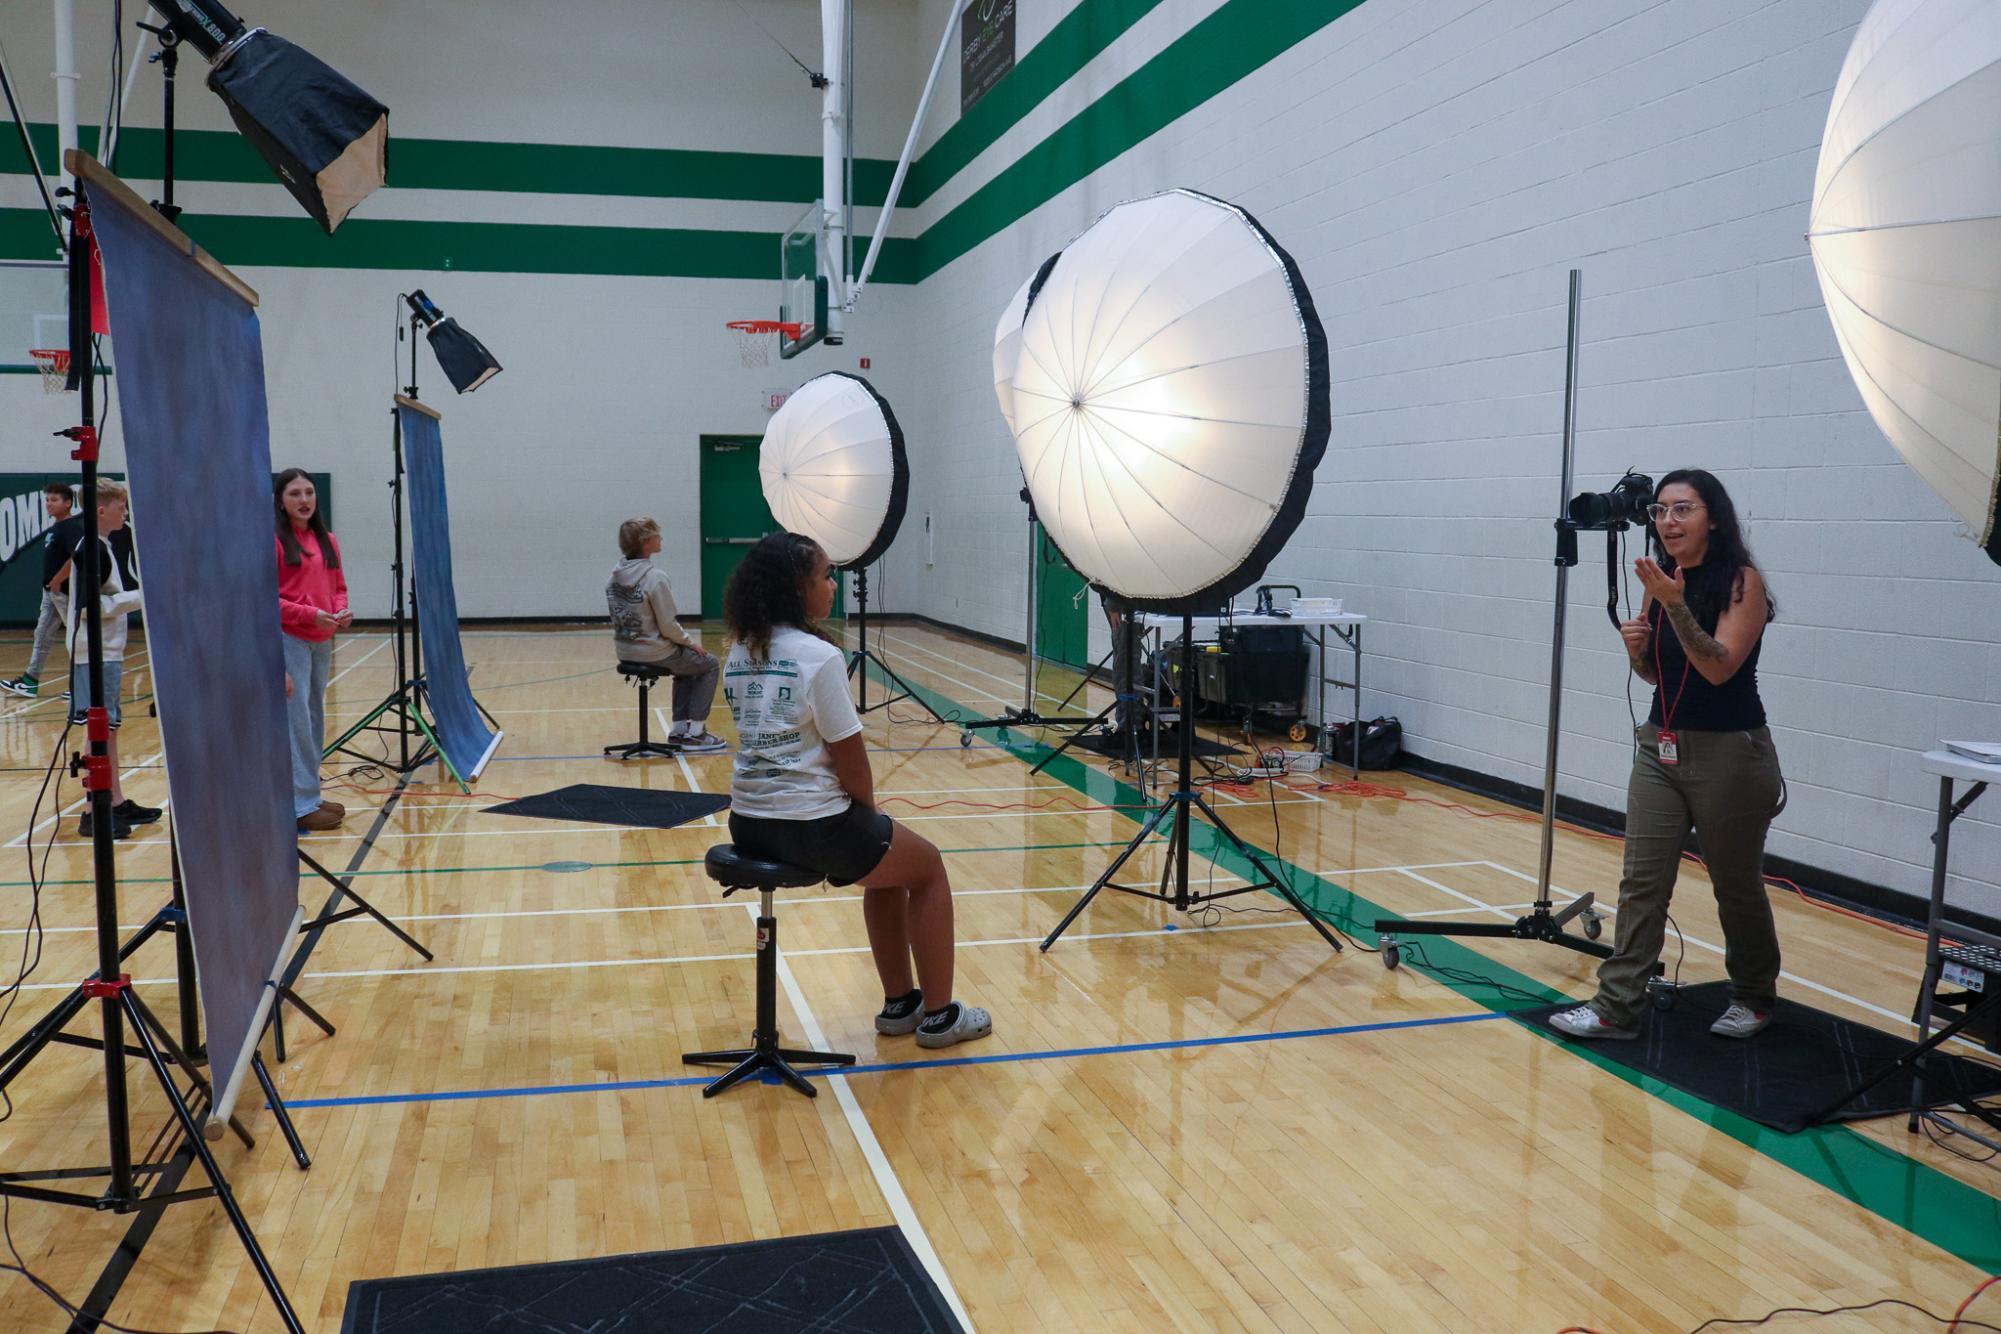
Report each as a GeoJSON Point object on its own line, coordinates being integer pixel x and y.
{"type": "Point", "coordinates": [312, 605]}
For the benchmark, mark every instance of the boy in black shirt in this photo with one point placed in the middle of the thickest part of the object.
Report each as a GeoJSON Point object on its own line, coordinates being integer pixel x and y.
{"type": "Point", "coordinates": [58, 543]}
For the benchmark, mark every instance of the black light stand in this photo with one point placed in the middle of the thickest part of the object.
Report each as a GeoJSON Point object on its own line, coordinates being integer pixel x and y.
{"type": "Point", "coordinates": [860, 660]}
{"type": "Point", "coordinates": [1541, 923]}
{"type": "Point", "coordinates": [1027, 715]}
{"type": "Point", "coordinates": [1179, 807]}
{"type": "Point", "coordinates": [119, 1005]}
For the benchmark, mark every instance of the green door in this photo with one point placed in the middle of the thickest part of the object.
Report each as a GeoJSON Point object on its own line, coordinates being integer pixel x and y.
{"type": "Point", "coordinates": [1061, 619]}
{"type": "Point", "coordinates": [734, 515]}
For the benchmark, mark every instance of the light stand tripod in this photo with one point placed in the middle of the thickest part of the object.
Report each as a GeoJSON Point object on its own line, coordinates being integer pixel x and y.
{"type": "Point", "coordinates": [119, 1005]}
{"type": "Point", "coordinates": [1179, 807]}
{"type": "Point", "coordinates": [1541, 923]}
{"type": "Point", "coordinates": [1026, 715]}
{"type": "Point", "coordinates": [864, 656]}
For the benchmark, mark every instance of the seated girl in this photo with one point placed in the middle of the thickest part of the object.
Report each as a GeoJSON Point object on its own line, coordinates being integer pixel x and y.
{"type": "Point", "coordinates": [801, 792]}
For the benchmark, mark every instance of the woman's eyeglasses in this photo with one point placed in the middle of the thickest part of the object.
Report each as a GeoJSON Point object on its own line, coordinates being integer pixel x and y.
{"type": "Point", "coordinates": [1681, 511]}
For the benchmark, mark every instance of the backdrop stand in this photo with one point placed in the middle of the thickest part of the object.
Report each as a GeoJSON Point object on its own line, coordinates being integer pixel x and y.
{"type": "Point", "coordinates": [860, 661]}
{"type": "Point", "coordinates": [1179, 807]}
{"type": "Point", "coordinates": [119, 1005]}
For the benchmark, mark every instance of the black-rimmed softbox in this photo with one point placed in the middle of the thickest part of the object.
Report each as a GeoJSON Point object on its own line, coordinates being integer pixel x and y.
{"type": "Point", "coordinates": [198, 460]}
{"type": "Point", "coordinates": [1169, 401]}
{"type": "Point", "coordinates": [832, 466]}
{"type": "Point", "coordinates": [465, 742]}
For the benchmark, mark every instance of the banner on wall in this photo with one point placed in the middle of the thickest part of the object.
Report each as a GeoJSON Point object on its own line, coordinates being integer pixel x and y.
{"type": "Point", "coordinates": [986, 48]}
{"type": "Point", "coordinates": [463, 737]}
{"type": "Point", "coordinates": [198, 461]}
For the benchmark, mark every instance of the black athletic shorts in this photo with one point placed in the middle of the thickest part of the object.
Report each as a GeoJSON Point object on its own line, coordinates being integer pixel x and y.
{"type": "Point", "coordinates": [843, 847]}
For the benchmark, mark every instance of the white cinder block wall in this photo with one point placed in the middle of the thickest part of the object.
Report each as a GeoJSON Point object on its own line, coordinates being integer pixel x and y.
{"type": "Point", "coordinates": [1436, 167]}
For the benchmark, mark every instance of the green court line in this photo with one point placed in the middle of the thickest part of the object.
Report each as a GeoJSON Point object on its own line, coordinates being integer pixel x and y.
{"type": "Point", "coordinates": [1901, 1190]}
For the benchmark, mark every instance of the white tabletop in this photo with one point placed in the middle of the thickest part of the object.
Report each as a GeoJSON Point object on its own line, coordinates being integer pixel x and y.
{"type": "Point", "coordinates": [1948, 764]}
{"type": "Point", "coordinates": [1157, 620]}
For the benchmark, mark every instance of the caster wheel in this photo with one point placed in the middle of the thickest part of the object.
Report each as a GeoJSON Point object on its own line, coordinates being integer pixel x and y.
{"type": "Point", "coordinates": [1664, 995]}
{"type": "Point", "coordinates": [1594, 926]}
{"type": "Point", "coordinates": [1392, 956]}
{"type": "Point", "coordinates": [965, 740]}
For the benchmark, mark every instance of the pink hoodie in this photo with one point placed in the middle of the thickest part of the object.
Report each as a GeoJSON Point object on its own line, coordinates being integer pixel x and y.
{"type": "Point", "coordinates": [308, 587]}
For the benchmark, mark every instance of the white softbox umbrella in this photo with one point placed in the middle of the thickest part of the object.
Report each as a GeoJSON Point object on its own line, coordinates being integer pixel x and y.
{"type": "Point", "coordinates": [1906, 238]}
{"type": "Point", "coordinates": [1171, 401]}
{"type": "Point", "coordinates": [833, 468]}
{"type": "Point", "coordinates": [1007, 341]}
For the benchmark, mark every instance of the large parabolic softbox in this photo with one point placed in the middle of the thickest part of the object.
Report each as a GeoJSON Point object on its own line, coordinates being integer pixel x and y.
{"type": "Point", "coordinates": [1906, 238]}
{"type": "Point", "coordinates": [832, 466]}
{"type": "Point", "coordinates": [198, 459]}
{"type": "Point", "coordinates": [1170, 401]}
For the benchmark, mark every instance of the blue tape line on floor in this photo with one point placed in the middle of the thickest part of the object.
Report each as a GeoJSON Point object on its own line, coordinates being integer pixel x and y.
{"type": "Point", "coordinates": [999, 1058]}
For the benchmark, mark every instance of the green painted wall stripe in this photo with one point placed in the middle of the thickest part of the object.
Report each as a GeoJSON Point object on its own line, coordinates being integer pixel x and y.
{"type": "Point", "coordinates": [1232, 43]}
{"type": "Point", "coordinates": [469, 164]}
{"type": "Point", "coordinates": [1953, 1216]}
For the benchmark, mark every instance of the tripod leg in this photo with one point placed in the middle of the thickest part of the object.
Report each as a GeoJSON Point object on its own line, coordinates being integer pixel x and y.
{"type": "Point", "coordinates": [181, 1059]}
{"type": "Point", "coordinates": [1145, 832]}
{"type": "Point", "coordinates": [281, 1111]}
{"type": "Point", "coordinates": [347, 889]}
{"type": "Point", "coordinates": [286, 994]}
{"type": "Point", "coordinates": [909, 692]}
{"type": "Point", "coordinates": [223, 1193]}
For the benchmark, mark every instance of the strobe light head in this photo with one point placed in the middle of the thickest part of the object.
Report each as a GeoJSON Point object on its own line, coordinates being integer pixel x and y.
{"type": "Point", "coordinates": [1626, 503]}
{"type": "Point", "coordinates": [463, 358]}
{"type": "Point", "coordinates": [832, 466]}
{"type": "Point", "coordinates": [1170, 401]}
{"type": "Point", "coordinates": [324, 137]}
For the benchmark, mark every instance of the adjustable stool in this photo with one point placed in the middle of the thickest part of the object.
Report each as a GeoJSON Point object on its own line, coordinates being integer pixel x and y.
{"type": "Point", "coordinates": [643, 675]}
{"type": "Point", "coordinates": [733, 870]}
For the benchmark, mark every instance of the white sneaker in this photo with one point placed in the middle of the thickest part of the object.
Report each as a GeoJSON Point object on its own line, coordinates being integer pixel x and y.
{"type": "Point", "coordinates": [701, 743]}
{"type": "Point", "coordinates": [971, 1022]}
{"type": "Point", "coordinates": [1585, 1022]}
{"type": "Point", "coordinates": [1740, 1021]}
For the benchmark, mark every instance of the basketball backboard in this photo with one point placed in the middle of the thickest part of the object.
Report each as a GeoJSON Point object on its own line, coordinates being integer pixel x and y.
{"type": "Point", "coordinates": [34, 310]}
{"type": "Point", "coordinates": [802, 281]}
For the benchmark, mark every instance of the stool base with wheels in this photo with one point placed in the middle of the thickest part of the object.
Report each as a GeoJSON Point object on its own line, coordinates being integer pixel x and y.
{"type": "Point", "coordinates": [732, 870]}
{"type": "Point", "coordinates": [643, 675]}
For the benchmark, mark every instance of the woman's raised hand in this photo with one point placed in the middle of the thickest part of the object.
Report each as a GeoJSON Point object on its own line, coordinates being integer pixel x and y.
{"type": "Point", "coordinates": [1664, 588]}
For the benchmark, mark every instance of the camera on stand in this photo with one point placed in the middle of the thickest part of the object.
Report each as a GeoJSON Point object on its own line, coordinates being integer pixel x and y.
{"type": "Point", "coordinates": [1609, 511]}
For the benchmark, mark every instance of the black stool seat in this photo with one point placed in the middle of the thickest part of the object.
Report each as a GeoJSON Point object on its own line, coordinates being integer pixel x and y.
{"type": "Point", "coordinates": [734, 870]}
{"type": "Point", "coordinates": [645, 675]}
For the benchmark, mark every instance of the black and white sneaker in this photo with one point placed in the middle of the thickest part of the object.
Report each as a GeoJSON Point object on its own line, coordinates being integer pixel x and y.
{"type": "Point", "coordinates": [27, 687]}
{"type": "Point", "coordinates": [701, 743]}
{"type": "Point", "coordinates": [954, 1024]}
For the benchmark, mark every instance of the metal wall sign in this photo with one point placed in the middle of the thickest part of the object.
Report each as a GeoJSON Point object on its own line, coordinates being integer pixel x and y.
{"type": "Point", "coordinates": [986, 48]}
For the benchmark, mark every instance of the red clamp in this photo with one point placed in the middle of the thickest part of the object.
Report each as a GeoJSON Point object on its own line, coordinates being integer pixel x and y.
{"type": "Point", "coordinates": [96, 988]}
{"type": "Point", "coordinates": [96, 773]}
{"type": "Point", "coordinates": [86, 443]}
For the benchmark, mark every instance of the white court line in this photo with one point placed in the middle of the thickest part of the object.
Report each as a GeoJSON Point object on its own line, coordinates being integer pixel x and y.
{"type": "Point", "coordinates": [886, 637]}
{"type": "Point", "coordinates": [878, 1162]}
{"type": "Point", "coordinates": [666, 729]}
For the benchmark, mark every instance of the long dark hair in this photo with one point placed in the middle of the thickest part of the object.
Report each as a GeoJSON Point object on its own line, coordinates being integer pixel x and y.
{"type": "Point", "coordinates": [768, 590]}
{"type": "Point", "coordinates": [1719, 581]}
{"type": "Point", "coordinates": [288, 539]}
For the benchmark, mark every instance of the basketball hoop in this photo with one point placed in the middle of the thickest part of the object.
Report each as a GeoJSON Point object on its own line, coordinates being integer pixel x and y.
{"type": "Point", "coordinates": [753, 339]}
{"type": "Point", "coordinates": [53, 363]}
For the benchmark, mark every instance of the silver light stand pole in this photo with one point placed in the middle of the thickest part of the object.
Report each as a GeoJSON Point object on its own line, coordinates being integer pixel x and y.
{"type": "Point", "coordinates": [1540, 924]}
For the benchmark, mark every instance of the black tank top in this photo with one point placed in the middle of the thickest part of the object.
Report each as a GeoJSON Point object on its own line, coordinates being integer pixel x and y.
{"type": "Point", "coordinates": [1733, 706]}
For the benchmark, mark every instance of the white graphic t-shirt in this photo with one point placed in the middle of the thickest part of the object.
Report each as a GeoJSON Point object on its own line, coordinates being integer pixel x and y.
{"type": "Point", "coordinates": [788, 705]}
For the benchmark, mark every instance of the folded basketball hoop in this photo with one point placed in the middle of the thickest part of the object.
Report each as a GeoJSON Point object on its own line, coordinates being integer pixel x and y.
{"type": "Point", "coordinates": [53, 363]}
{"type": "Point", "coordinates": [753, 338]}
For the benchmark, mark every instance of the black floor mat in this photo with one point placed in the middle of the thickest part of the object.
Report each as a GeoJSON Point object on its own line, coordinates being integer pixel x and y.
{"type": "Point", "coordinates": [592, 803]}
{"type": "Point", "coordinates": [1805, 1060]}
{"type": "Point", "coordinates": [1112, 745]}
{"type": "Point", "coordinates": [862, 1282]}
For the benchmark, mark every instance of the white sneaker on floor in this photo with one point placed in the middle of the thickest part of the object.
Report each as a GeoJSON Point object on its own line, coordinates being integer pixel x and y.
{"type": "Point", "coordinates": [700, 743]}
{"type": "Point", "coordinates": [1585, 1022]}
{"type": "Point", "coordinates": [1740, 1021]}
{"type": "Point", "coordinates": [969, 1023]}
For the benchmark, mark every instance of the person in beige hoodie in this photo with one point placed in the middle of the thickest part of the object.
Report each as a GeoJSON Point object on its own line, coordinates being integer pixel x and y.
{"type": "Point", "coordinates": [646, 629]}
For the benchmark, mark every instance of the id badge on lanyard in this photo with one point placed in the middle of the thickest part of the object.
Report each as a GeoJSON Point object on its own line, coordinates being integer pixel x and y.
{"type": "Point", "coordinates": [1670, 748]}
{"type": "Point", "coordinates": [1669, 743]}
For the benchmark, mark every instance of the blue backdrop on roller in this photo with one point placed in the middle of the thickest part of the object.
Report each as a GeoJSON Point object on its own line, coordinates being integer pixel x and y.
{"type": "Point", "coordinates": [198, 461]}
{"type": "Point", "coordinates": [463, 735]}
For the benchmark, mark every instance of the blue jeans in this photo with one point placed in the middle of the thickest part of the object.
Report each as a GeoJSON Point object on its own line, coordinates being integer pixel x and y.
{"type": "Point", "coordinates": [308, 664]}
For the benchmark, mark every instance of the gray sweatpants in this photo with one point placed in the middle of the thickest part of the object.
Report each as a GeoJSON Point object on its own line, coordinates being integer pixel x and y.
{"type": "Point", "coordinates": [695, 675]}
{"type": "Point", "coordinates": [1728, 789]}
{"type": "Point", "coordinates": [48, 629]}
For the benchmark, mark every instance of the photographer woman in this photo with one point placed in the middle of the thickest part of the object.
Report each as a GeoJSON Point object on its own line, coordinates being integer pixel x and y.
{"type": "Point", "coordinates": [1704, 760]}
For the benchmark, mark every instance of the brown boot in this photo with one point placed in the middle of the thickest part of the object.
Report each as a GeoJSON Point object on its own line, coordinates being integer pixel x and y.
{"type": "Point", "coordinates": [339, 811]}
{"type": "Point", "coordinates": [319, 821]}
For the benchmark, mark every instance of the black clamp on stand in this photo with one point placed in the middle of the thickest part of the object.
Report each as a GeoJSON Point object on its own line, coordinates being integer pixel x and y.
{"type": "Point", "coordinates": [1179, 806]}
{"type": "Point", "coordinates": [734, 871]}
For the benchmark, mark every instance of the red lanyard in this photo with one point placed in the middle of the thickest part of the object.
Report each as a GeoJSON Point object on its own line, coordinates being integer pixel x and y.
{"type": "Point", "coordinates": [1667, 714]}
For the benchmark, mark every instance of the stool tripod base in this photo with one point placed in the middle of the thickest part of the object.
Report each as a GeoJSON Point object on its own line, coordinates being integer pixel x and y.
{"type": "Point", "coordinates": [765, 1056]}
{"type": "Point", "coordinates": [632, 749]}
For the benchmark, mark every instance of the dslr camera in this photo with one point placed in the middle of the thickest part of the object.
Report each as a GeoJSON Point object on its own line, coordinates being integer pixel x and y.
{"type": "Point", "coordinates": [1609, 511]}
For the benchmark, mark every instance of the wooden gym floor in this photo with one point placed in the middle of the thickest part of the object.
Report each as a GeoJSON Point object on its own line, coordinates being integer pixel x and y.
{"type": "Point", "coordinates": [1177, 1124]}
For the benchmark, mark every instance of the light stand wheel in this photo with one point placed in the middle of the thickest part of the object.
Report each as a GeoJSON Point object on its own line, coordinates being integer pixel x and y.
{"type": "Point", "coordinates": [1594, 926]}
{"type": "Point", "coordinates": [1392, 954]}
{"type": "Point", "coordinates": [965, 740]}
